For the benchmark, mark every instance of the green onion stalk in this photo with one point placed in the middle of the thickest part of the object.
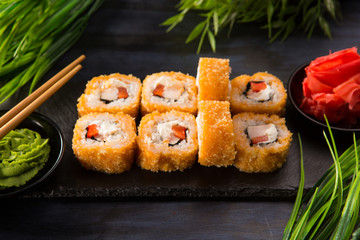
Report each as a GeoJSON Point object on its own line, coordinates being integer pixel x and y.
{"type": "Point", "coordinates": [34, 35]}
{"type": "Point", "coordinates": [330, 210]}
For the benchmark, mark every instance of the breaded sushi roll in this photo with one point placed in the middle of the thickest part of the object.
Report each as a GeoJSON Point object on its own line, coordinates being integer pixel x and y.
{"type": "Point", "coordinates": [215, 134]}
{"type": "Point", "coordinates": [259, 93]}
{"type": "Point", "coordinates": [167, 141]}
{"type": "Point", "coordinates": [213, 79]}
{"type": "Point", "coordinates": [165, 91]}
{"type": "Point", "coordinates": [105, 142]}
{"type": "Point", "coordinates": [262, 142]}
{"type": "Point", "coordinates": [111, 93]}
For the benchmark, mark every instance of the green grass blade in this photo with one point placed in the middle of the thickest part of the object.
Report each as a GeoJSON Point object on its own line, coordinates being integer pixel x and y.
{"type": "Point", "coordinates": [351, 209]}
{"type": "Point", "coordinates": [34, 34]}
{"type": "Point", "coordinates": [290, 224]}
{"type": "Point", "coordinates": [196, 31]}
{"type": "Point", "coordinates": [299, 231]}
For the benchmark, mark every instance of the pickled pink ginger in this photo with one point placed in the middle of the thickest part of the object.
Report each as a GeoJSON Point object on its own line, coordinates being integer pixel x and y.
{"type": "Point", "coordinates": [332, 87]}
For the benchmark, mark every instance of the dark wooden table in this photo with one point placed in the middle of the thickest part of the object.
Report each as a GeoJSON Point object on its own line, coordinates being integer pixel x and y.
{"type": "Point", "coordinates": [124, 36]}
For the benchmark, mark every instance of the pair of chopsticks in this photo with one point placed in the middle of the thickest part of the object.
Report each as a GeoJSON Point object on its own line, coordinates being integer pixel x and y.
{"type": "Point", "coordinates": [22, 110]}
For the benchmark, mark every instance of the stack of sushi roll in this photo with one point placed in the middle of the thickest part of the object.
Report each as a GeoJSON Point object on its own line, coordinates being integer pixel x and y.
{"type": "Point", "coordinates": [262, 142]}
{"type": "Point", "coordinates": [104, 137]}
{"type": "Point", "coordinates": [261, 137]}
{"type": "Point", "coordinates": [111, 93]}
{"type": "Point", "coordinates": [212, 79]}
{"type": "Point", "coordinates": [259, 93]}
{"type": "Point", "coordinates": [167, 141]}
{"type": "Point", "coordinates": [105, 142]}
{"type": "Point", "coordinates": [215, 127]}
{"type": "Point", "coordinates": [215, 134]}
{"type": "Point", "coordinates": [170, 138]}
{"type": "Point", "coordinates": [167, 91]}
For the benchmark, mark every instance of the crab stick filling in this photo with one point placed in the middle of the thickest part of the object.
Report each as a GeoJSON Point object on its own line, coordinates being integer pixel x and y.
{"type": "Point", "coordinates": [166, 87]}
{"type": "Point", "coordinates": [172, 133]}
{"type": "Point", "coordinates": [103, 131]}
{"type": "Point", "coordinates": [262, 134]}
{"type": "Point", "coordinates": [113, 89]}
{"type": "Point", "coordinates": [259, 91]}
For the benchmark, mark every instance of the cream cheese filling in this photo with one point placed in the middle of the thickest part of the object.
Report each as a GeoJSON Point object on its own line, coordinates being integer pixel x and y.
{"type": "Point", "coordinates": [163, 133]}
{"type": "Point", "coordinates": [109, 89]}
{"type": "Point", "coordinates": [173, 89]}
{"type": "Point", "coordinates": [108, 130]}
{"type": "Point", "coordinates": [260, 96]}
{"type": "Point", "coordinates": [263, 133]}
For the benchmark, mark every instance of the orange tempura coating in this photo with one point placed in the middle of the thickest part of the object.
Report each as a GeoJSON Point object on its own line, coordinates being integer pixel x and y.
{"type": "Point", "coordinates": [213, 79]}
{"type": "Point", "coordinates": [216, 134]}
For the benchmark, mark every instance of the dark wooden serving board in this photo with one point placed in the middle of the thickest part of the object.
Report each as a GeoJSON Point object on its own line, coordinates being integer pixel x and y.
{"type": "Point", "coordinates": [125, 36]}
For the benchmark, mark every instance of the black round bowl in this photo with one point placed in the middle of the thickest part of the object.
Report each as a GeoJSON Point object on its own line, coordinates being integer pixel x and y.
{"type": "Point", "coordinates": [47, 129]}
{"type": "Point", "coordinates": [295, 93]}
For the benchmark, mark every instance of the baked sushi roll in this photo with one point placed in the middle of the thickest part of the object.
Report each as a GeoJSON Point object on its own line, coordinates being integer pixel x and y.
{"type": "Point", "coordinates": [215, 134]}
{"type": "Point", "coordinates": [259, 93]}
{"type": "Point", "coordinates": [167, 141]}
{"type": "Point", "coordinates": [212, 79]}
{"type": "Point", "coordinates": [111, 93]}
{"type": "Point", "coordinates": [262, 142]}
{"type": "Point", "coordinates": [167, 91]}
{"type": "Point", "coordinates": [105, 142]}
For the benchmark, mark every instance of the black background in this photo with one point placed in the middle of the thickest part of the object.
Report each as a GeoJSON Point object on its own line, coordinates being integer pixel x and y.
{"type": "Point", "coordinates": [207, 203]}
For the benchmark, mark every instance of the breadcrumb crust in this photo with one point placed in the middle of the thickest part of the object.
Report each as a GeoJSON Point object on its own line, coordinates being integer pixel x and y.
{"type": "Point", "coordinates": [216, 134]}
{"type": "Point", "coordinates": [213, 79]}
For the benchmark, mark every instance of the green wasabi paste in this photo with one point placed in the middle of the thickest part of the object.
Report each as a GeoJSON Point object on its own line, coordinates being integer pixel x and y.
{"type": "Point", "coordinates": [22, 154]}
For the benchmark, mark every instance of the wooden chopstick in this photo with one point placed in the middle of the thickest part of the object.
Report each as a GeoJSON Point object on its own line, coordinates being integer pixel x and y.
{"type": "Point", "coordinates": [28, 108]}
{"type": "Point", "coordinates": [20, 106]}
